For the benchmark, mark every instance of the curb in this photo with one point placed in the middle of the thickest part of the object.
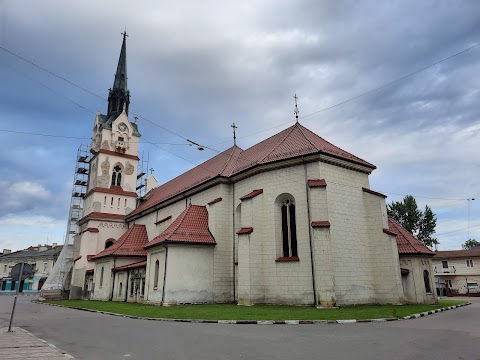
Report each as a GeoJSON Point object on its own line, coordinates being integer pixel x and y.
{"type": "Point", "coordinates": [264, 322]}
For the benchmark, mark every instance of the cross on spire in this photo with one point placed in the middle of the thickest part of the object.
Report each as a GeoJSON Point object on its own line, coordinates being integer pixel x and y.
{"type": "Point", "coordinates": [296, 111]}
{"type": "Point", "coordinates": [234, 134]}
{"type": "Point", "coordinates": [125, 34]}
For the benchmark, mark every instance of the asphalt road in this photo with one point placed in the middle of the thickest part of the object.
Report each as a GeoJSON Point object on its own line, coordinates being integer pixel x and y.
{"type": "Point", "coordinates": [449, 335]}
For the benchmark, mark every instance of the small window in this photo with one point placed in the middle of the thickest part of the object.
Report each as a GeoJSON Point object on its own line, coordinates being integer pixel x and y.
{"type": "Point", "coordinates": [45, 266]}
{"type": "Point", "coordinates": [155, 278]}
{"type": "Point", "coordinates": [120, 138]}
{"type": "Point", "coordinates": [445, 264]}
{"type": "Point", "coordinates": [101, 277]}
{"type": "Point", "coordinates": [132, 285]}
{"type": "Point", "coordinates": [426, 280]}
{"type": "Point", "coordinates": [469, 263]}
{"type": "Point", "coordinates": [105, 201]}
{"type": "Point", "coordinates": [142, 290]}
{"type": "Point", "coordinates": [120, 289]}
{"type": "Point", "coordinates": [449, 283]}
{"type": "Point", "coordinates": [118, 202]}
{"type": "Point", "coordinates": [109, 243]}
{"type": "Point", "coordinates": [125, 202]}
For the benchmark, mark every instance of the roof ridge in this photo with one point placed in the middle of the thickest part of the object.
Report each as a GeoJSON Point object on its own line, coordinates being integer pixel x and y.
{"type": "Point", "coordinates": [280, 142]}
{"type": "Point", "coordinates": [180, 221]}
{"type": "Point", "coordinates": [230, 158]}
{"type": "Point", "coordinates": [300, 127]}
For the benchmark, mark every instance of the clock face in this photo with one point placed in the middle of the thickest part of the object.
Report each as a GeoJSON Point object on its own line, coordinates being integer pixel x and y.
{"type": "Point", "coordinates": [122, 127]}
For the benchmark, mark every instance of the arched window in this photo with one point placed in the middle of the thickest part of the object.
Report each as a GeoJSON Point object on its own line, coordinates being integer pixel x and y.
{"type": "Point", "coordinates": [117, 176]}
{"type": "Point", "coordinates": [101, 277]}
{"type": "Point", "coordinates": [426, 280]}
{"type": "Point", "coordinates": [120, 290]}
{"type": "Point", "coordinates": [289, 229]}
{"type": "Point", "coordinates": [109, 243]}
{"type": "Point", "coordinates": [155, 277]}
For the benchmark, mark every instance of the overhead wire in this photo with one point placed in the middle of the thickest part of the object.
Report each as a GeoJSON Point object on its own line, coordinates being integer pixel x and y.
{"type": "Point", "coordinates": [210, 147]}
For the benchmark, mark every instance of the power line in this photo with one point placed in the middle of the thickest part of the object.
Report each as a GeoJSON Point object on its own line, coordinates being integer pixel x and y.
{"type": "Point", "coordinates": [364, 93]}
{"type": "Point", "coordinates": [81, 88]}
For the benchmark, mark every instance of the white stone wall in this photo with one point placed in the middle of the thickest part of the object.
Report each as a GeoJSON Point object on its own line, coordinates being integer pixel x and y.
{"type": "Point", "coordinates": [414, 284]}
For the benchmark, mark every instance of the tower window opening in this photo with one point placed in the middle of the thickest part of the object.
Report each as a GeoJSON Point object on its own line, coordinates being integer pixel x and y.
{"type": "Point", "coordinates": [117, 176]}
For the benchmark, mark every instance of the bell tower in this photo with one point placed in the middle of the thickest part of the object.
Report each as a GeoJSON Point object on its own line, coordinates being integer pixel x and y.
{"type": "Point", "coordinates": [111, 186]}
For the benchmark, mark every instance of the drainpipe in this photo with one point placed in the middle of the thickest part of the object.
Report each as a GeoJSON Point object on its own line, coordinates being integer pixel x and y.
{"type": "Point", "coordinates": [233, 240]}
{"type": "Point", "coordinates": [126, 286]}
{"type": "Point", "coordinates": [164, 274]}
{"type": "Point", "coordinates": [113, 279]}
{"type": "Point", "coordinates": [312, 258]}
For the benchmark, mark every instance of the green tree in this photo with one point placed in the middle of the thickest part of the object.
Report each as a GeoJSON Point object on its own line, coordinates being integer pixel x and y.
{"type": "Point", "coordinates": [470, 244]}
{"type": "Point", "coordinates": [420, 223]}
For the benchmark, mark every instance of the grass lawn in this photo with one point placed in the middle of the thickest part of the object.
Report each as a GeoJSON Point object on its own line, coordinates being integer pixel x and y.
{"type": "Point", "coordinates": [257, 312]}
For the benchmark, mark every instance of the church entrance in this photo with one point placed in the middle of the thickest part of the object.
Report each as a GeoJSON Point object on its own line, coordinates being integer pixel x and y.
{"type": "Point", "coordinates": [137, 285]}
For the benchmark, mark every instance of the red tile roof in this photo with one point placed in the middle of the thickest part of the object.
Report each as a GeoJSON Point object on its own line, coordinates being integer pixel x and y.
{"type": "Point", "coordinates": [316, 183]}
{"type": "Point", "coordinates": [457, 254]}
{"type": "Point", "coordinates": [219, 165]}
{"type": "Point", "coordinates": [245, 230]}
{"type": "Point", "coordinates": [316, 224]}
{"type": "Point", "coordinates": [136, 265]}
{"type": "Point", "coordinates": [296, 141]}
{"type": "Point", "coordinates": [129, 244]}
{"type": "Point", "coordinates": [191, 226]}
{"type": "Point", "coordinates": [252, 194]}
{"type": "Point", "coordinates": [406, 242]}
{"type": "Point", "coordinates": [387, 231]}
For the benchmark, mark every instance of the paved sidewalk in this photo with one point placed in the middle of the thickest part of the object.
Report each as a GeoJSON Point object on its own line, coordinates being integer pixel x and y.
{"type": "Point", "coordinates": [20, 344]}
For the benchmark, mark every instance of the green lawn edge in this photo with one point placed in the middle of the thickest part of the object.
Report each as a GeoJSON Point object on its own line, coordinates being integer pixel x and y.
{"type": "Point", "coordinates": [257, 312]}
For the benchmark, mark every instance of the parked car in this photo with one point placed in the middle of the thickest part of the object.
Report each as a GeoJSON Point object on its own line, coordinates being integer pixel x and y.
{"type": "Point", "coordinates": [473, 288]}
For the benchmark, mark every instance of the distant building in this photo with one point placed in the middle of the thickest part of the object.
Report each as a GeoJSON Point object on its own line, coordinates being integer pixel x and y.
{"type": "Point", "coordinates": [290, 220]}
{"type": "Point", "coordinates": [41, 258]}
{"type": "Point", "coordinates": [457, 271]}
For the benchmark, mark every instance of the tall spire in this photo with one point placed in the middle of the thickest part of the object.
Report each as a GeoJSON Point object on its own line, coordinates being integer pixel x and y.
{"type": "Point", "coordinates": [119, 96]}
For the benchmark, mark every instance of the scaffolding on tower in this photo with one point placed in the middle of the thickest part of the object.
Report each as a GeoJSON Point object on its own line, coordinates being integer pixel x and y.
{"type": "Point", "coordinates": [58, 282]}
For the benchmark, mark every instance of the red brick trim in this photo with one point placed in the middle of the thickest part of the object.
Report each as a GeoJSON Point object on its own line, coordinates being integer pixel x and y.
{"type": "Point", "coordinates": [110, 152]}
{"type": "Point", "coordinates": [404, 271]}
{"type": "Point", "coordinates": [77, 258]}
{"type": "Point", "coordinates": [245, 230]}
{"type": "Point", "coordinates": [389, 232]}
{"type": "Point", "coordinates": [313, 183]}
{"type": "Point", "coordinates": [289, 258]}
{"type": "Point", "coordinates": [94, 230]}
{"type": "Point", "coordinates": [89, 257]}
{"type": "Point", "coordinates": [318, 224]}
{"type": "Point", "coordinates": [100, 215]}
{"type": "Point", "coordinates": [252, 194]}
{"type": "Point", "coordinates": [374, 192]}
{"type": "Point", "coordinates": [214, 201]}
{"type": "Point", "coordinates": [115, 190]}
{"type": "Point", "coordinates": [91, 271]}
{"type": "Point", "coordinates": [163, 220]}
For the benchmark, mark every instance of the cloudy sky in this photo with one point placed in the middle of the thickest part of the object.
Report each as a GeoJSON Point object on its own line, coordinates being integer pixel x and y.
{"type": "Point", "coordinates": [195, 67]}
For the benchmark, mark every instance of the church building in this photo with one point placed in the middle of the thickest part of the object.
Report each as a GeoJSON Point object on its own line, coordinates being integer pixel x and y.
{"type": "Point", "coordinates": [290, 220]}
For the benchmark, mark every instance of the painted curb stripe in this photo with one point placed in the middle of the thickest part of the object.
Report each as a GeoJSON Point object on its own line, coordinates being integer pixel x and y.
{"type": "Point", "coordinates": [263, 322]}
